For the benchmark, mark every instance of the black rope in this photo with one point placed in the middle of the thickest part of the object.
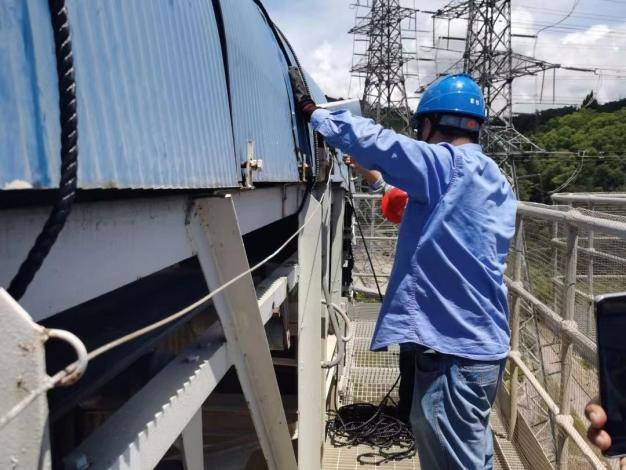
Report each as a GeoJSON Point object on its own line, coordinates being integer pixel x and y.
{"type": "Point", "coordinates": [362, 235]}
{"type": "Point", "coordinates": [69, 152]}
{"type": "Point", "coordinates": [280, 37]}
{"type": "Point", "coordinates": [373, 426]}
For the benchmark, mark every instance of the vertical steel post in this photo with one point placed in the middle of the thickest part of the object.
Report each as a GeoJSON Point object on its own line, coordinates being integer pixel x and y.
{"type": "Point", "coordinates": [191, 444]}
{"type": "Point", "coordinates": [217, 240]}
{"type": "Point", "coordinates": [568, 307]}
{"type": "Point", "coordinates": [555, 265]}
{"type": "Point", "coordinates": [515, 322]}
{"type": "Point", "coordinates": [590, 257]}
{"type": "Point", "coordinates": [372, 217]}
{"type": "Point", "coordinates": [310, 373]}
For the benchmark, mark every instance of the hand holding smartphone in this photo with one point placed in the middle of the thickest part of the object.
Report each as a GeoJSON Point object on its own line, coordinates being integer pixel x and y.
{"type": "Point", "coordinates": [611, 332]}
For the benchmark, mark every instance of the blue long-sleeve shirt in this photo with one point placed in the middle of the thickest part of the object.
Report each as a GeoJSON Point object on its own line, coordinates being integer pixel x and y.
{"type": "Point", "coordinates": [446, 289]}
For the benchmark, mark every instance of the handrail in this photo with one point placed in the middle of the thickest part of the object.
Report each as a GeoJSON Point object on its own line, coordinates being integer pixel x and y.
{"type": "Point", "coordinates": [572, 217]}
{"type": "Point", "coordinates": [561, 323]}
{"type": "Point", "coordinates": [618, 199]}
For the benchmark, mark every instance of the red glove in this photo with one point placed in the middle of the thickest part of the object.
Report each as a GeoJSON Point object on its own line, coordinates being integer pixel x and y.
{"type": "Point", "coordinates": [393, 204]}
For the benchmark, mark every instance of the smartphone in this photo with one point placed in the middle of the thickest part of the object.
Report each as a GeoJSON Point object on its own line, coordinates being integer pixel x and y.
{"type": "Point", "coordinates": [611, 331]}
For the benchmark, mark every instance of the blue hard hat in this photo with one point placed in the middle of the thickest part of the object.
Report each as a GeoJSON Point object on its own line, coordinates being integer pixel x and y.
{"type": "Point", "coordinates": [453, 94]}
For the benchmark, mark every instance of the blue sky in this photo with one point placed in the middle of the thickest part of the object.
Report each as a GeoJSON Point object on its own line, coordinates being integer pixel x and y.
{"type": "Point", "coordinates": [594, 36]}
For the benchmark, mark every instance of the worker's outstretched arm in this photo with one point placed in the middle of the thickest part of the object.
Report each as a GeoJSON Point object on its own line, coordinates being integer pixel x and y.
{"type": "Point", "coordinates": [422, 170]}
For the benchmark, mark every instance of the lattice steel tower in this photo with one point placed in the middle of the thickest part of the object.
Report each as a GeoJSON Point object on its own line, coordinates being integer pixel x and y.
{"type": "Point", "coordinates": [380, 58]}
{"type": "Point", "coordinates": [490, 59]}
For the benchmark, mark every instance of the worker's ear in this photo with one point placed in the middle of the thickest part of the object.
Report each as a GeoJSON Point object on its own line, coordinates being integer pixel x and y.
{"type": "Point", "coordinates": [425, 129]}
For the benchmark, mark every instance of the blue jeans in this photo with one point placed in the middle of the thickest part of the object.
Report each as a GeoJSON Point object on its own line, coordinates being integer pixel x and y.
{"type": "Point", "coordinates": [452, 399]}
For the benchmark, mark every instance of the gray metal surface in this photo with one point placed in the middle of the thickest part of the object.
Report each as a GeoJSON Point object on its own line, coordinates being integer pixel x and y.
{"type": "Point", "coordinates": [310, 353]}
{"type": "Point", "coordinates": [125, 239]}
{"type": "Point", "coordinates": [147, 425]}
{"type": "Point", "coordinates": [259, 91]}
{"type": "Point", "coordinates": [25, 440]}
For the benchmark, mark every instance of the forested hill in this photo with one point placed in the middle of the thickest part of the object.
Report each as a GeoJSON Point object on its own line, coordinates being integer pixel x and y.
{"type": "Point", "coordinates": [597, 130]}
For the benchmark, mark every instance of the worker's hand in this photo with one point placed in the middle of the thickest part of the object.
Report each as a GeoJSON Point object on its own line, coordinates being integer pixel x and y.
{"type": "Point", "coordinates": [306, 105]}
{"type": "Point", "coordinates": [351, 162]}
{"type": "Point", "coordinates": [596, 433]}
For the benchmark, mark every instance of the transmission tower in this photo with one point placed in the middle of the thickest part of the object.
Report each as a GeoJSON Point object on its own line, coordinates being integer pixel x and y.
{"type": "Point", "coordinates": [490, 59]}
{"type": "Point", "coordinates": [381, 59]}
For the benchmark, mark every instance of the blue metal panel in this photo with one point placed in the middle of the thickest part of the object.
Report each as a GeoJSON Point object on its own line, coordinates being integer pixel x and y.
{"type": "Point", "coordinates": [152, 99]}
{"type": "Point", "coordinates": [259, 82]}
{"type": "Point", "coordinates": [29, 128]}
{"type": "Point", "coordinates": [153, 104]}
{"type": "Point", "coordinates": [316, 92]}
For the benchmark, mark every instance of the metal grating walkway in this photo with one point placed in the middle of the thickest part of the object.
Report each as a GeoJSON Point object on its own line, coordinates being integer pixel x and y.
{"type": "Point", "coordinates": [368, 376]}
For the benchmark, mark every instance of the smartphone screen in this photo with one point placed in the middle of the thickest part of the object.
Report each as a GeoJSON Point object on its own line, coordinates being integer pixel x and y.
{"type": "Point", "coordinates": [611, 330]}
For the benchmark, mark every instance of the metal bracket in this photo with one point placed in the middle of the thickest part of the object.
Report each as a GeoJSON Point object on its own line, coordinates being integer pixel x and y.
{"type": "Point", "coordinates": [222, 256]}
{"type": "Point", "coordinates": [250, 165]}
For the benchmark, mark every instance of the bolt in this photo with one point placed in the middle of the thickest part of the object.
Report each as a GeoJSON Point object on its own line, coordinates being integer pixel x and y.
{"type": "Point", "coordinates": [192, 358]}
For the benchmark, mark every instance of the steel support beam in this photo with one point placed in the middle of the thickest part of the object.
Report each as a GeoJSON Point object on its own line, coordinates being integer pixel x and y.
{"type": "Point", "coordinates": [191, 443]}
{"type": "Point", "coordinates": [169, 398]}
{"type": "Point", "coordinates": [126, 239]}
{"type": "Point", "coordinates": [222, 256]}
{"type": "Point", "coordinates": [140, 433]}
{"type": "Point", "coordinates": [310, 354]}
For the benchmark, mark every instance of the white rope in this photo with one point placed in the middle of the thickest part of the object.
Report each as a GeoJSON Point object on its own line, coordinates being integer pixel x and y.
{"type": "Point", "coordinates": [65, 377]}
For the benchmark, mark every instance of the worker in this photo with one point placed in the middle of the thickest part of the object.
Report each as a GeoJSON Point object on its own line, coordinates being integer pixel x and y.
{"type": "Point", "coordinates": [446, 294]}
{"type": "Point", "coordinates": [596, 433]}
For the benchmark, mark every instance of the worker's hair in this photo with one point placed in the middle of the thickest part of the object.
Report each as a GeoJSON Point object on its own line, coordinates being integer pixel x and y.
{"type": "Point", "coordinates": [450, 133]}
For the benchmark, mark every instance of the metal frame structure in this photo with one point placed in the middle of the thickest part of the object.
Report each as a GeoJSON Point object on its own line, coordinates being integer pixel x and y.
{"type": "Point", "coordinates": [381, 26]}
{"type": "Point", "coordinates": [166, 412]}
{"type": "Point", "coordinates": [490, 59]}
{"type": "Point", "coordinates": [561, 317]}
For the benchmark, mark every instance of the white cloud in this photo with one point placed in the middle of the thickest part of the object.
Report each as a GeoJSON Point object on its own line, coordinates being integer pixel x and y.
{"type": "Point", "coordinates": [318, 31]}
{"type": "Point", "coordinates": [591, 36]}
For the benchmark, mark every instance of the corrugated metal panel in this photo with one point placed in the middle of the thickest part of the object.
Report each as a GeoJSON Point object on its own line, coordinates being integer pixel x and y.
{"type": "Point", "coordinates": [152, 99]}
{"type": "Point", "coordinates": [29, 129]}
{"type": "Point", "coordinates": [316, 92]}
{"type": "Point", "coordinates": [153, 104]}
{"type": "Point", "coordinates": [260, 100]}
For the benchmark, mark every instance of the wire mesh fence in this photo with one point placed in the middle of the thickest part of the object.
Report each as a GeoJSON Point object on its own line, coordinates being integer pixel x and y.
{"type": "Point", "coordinates": [379, 240]}
{"type": "Point", "coordinates": [565, 263]}
{"type": "Point", "coordinates": [565, 258]}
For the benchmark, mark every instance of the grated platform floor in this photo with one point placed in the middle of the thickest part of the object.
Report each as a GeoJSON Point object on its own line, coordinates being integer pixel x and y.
{"type": "Point", "coordinates": [368, 376]}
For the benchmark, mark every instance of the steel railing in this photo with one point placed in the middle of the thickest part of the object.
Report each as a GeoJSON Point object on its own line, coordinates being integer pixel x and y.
{"type": "Point", "coordinates": [562, 258]}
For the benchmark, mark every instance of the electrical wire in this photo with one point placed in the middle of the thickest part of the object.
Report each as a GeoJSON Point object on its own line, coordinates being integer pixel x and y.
{"type": "Point", "coordinates": [362, 235]}
{"type": "Point", "coordinates": [375, 426]}
{"type": "Point", "coordinates": [364, 423]}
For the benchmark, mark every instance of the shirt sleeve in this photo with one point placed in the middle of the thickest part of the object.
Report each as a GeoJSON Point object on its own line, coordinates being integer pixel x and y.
{"type": "Point", "coordinates": [423, 170]}
{"type": "Point", "coordinates": [380, 186]}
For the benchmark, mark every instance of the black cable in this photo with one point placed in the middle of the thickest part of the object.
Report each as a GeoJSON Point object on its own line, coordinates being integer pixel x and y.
{"type": "Point", "coordinates": [365, 423]}
{"type": "Point", "coordinates": [374, 426]}
{"type": "Point", "coordinates": [281, 39]}
{"type": "Point", "coordinates": [69, 152]}
{"type": "Point", "coordinates": [358, 224]}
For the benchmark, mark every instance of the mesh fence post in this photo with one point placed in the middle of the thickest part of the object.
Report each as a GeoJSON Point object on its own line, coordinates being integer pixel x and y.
{"type": "Point", "coordinates": [568, 306]}
{"type": "Point", "coordinates": [515, 322]}
{"type": "Point", "coordinates": [590, 259]}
